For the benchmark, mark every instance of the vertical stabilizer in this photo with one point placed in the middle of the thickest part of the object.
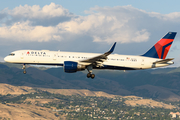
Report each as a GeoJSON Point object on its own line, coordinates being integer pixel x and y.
{"type": "Point", "coordinates": [161, 48]}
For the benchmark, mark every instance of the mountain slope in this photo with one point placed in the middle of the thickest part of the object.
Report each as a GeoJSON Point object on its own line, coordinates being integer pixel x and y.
{"type": "Point", "coordinates": [160, 83]}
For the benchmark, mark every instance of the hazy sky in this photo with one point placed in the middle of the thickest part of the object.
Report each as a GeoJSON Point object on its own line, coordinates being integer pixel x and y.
{"type": "Point", "coordinates": [88, 26]}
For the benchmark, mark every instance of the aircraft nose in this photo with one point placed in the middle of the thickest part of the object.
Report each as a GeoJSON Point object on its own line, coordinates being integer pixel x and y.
{"type": "Point", "coordinates": [6, 59]}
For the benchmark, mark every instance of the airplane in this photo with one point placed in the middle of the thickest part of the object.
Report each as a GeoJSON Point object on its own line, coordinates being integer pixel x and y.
{"type": "Point", "coordinates": [78, 61]}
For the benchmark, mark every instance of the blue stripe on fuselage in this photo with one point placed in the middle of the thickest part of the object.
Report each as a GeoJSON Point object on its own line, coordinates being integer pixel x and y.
{"type": "Point", "coordinates": [114, 67]}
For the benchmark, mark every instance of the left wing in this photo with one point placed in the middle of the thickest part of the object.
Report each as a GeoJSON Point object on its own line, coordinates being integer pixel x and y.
{"type": "Point", "coordinates": [99, 59]}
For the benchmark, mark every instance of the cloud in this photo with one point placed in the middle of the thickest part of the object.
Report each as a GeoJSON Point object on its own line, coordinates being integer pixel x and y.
{"type": "Point", "coordinates": [25, 32]}
{"type": "Point", "coordinates": [53, 24]}
{"type": "Point", "coordinates": [35, 11]}
{"type": "Point", "coordinates": [123, 24]}
{"type": "Point", "coordinates": [49, 15]}
{"type": "Point", "coordinates": [2, 15]}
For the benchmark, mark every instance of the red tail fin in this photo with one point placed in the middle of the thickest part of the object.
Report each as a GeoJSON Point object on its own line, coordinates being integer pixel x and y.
{"type": "Point", "coordinates": [161, 48]}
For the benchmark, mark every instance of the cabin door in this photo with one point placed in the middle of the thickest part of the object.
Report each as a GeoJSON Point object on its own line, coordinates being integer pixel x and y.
{"type": "Point", "coordinates": [22, 55]}
{"type": "Point", "coordinates": [55, 57]}
{"type": "Point", "coordinates": [142, 63]}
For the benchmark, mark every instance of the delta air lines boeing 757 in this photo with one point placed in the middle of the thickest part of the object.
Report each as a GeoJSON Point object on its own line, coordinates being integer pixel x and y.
{"type": "Point", "coordinates": [76, 61]}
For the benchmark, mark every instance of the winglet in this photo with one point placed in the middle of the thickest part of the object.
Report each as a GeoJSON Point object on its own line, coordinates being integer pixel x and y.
{"type": "Point", "coordinates": [112, 48]}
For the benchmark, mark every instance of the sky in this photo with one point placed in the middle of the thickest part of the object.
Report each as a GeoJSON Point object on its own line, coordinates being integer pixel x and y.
{"type": "Point", "coordinates": [88, 26]}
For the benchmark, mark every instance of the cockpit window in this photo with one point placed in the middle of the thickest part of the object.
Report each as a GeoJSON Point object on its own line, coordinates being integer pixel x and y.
{"type": "Point", "coordinates": [12, 54]}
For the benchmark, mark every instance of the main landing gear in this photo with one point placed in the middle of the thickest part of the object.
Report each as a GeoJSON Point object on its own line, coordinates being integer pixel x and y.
{"type": "Point", "coordinates": [89, 68]}
{"type": "Point", "coordinates": [24, 68]}
{"type": "Point", "coordinates": [90, 75]}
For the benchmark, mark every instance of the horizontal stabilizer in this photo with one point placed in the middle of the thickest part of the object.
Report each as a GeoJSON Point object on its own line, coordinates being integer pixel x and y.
{"type": "Point", "coordinates": [163, 61]}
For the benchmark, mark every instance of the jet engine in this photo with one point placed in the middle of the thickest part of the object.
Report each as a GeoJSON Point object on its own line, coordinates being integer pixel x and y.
{"type": "Point", "coordinates": [71, 67]}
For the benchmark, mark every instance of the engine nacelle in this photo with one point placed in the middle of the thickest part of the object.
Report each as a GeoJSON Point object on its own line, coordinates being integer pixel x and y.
{"type": "Point", "coordinates": [71, 67]}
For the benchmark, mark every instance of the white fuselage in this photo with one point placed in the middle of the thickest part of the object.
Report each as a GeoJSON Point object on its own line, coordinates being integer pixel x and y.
{"type": "Point", "coordinates": [114, 61]}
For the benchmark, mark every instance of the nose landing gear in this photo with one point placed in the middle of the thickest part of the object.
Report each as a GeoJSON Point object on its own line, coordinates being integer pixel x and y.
{"type": "Point", "coordinates": [24, 68]}
{"type": "Point", "coordinates": [24, 71]}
